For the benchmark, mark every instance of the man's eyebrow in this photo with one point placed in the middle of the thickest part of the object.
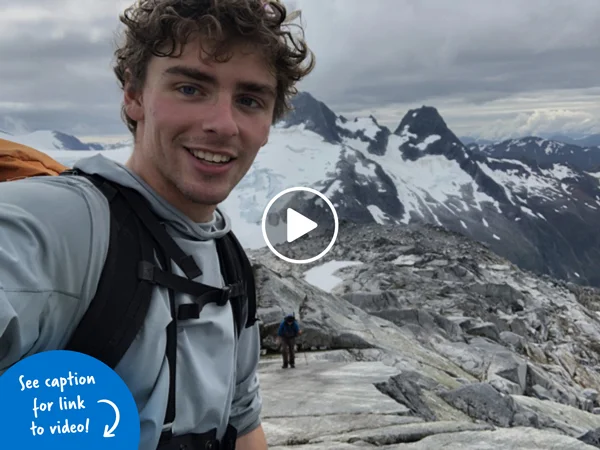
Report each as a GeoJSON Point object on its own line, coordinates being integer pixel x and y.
{"type": "Point", "coordinates": [198, 75]}
{"type": "Point", "coordinates": [191, 72]}
{"type": "Point", "coordinates": [258, 88]}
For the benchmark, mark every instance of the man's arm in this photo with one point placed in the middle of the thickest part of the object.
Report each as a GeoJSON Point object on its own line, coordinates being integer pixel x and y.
{"type": "Point", "coordinates": [255, 440]}
{"type": "Point", "coordinates": [46, 255]}
{"type": "Point", "coordinates": [247, 402]}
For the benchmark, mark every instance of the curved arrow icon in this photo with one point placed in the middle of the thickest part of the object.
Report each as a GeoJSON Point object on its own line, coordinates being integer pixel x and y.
{"type": "Point", "coordinates": [109, 432]}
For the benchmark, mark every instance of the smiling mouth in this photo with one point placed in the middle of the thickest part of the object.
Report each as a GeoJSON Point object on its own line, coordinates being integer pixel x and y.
{"type": "Point", "coordinates": [210, 158]}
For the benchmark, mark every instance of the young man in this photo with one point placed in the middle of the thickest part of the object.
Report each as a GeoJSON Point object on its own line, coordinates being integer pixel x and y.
{"type": "Point", "coordinates": [203, 80]}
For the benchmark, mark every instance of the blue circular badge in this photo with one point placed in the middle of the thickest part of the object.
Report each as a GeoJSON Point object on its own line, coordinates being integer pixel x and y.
{"type": "Point", "coordinates": [66, 400]}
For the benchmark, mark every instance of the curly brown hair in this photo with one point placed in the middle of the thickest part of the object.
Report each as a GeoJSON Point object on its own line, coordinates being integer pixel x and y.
{"type": "Point", "coordinates": [161, 28]}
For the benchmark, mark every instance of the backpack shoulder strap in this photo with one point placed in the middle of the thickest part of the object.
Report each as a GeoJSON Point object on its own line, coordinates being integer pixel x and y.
{"type": "Point", "coordinates": [236, 268]}
{"type": "Point", "coordinates": [120, 304]}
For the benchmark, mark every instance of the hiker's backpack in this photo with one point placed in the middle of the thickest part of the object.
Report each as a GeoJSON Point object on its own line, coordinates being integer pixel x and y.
{"type": "Point", "coordinates": [20, 161]}
{"type": "Point", "coordinates": [119, 307]}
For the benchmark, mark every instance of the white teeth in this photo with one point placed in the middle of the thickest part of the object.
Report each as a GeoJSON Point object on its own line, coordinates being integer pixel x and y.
{"type": "Point", "coordinates": [211, 157]}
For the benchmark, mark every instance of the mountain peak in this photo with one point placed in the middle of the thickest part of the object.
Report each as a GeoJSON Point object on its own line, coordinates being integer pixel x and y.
{"type": "Point", "coordinates": [423, 131]}
{"type": "Point", "coordinates": [314, 115]}
{"type": "Point", "coordinates": [423, 120]}
{"type": "Point", "coordinates": [372, 117]}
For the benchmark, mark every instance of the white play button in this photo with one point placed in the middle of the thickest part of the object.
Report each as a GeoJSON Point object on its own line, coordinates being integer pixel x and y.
{"type": "Point", "coordinates": [298, 225]}
{"type": "Point", "coordinates": [294, 213]}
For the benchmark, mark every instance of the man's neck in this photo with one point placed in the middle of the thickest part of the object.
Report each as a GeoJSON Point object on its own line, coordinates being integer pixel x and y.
{"type": "Point", "coordinates": [170, 193]}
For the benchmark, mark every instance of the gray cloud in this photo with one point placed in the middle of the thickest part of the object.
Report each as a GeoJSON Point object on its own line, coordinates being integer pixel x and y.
{"type": "Point", "coordinates": [56, 71]}
{"type": "Point", "coordinates": [392, 55]}
{"type": "Point", "coordinates": [477, 81]}
{"type": "Point", "coordinates": [491, 68]}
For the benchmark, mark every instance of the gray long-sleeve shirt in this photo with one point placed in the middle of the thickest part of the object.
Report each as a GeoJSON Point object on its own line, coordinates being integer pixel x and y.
{"type": "Point", "coordinates": [53, 242]}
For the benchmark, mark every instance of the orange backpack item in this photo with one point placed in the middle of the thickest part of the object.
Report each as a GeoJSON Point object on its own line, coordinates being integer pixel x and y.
{"type": "Point", "coordinates": [19, 161]}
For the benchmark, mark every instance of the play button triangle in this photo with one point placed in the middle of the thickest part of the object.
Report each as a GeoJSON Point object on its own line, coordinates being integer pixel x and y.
{"type": "Point", "coordinates": [298, 225]}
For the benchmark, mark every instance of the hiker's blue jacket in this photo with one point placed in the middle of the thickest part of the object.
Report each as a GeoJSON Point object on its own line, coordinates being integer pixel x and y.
{"type": "Point", "coordinates": [286, 330]}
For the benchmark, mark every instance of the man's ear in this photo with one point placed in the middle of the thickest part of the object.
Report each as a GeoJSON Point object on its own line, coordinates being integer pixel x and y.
{"type": "Point", "coordinates": [132, 98]}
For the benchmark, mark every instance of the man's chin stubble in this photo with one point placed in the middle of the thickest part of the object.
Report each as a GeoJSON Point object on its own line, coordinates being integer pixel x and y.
{"type": "Point", "coordinates": [201, 198]}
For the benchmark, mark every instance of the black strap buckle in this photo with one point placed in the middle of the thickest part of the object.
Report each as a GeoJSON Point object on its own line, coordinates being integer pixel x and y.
{"type": "Point", "coordinates": [146, 271]}
{"type": "Point", "coordinates": [225, 295]}
{"type": "Point", "coordinates": [188, 311]}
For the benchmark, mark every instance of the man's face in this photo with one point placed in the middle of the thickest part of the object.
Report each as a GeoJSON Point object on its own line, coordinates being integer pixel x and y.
{"type": "Point", "coordinates": [193, 109]}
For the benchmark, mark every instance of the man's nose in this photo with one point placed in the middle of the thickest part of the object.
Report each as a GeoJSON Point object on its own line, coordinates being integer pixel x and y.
{"type": "Point", "coordinates": [220, 118]}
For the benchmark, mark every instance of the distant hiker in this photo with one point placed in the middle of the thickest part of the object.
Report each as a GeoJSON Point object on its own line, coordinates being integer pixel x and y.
{"type": "Point", "coordinates": [135, 264]}
{"type": "Point", "coordinates": [288, 331]}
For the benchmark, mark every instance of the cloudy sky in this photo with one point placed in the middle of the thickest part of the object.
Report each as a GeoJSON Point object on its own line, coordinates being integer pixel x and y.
{"type": "Point", "coordinates": [493, 69]}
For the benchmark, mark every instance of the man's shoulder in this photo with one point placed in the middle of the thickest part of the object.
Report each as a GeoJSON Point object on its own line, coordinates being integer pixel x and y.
{"type": "Point", "coordinates": [67, 216]}
{"type": "Point", "coordinates": [62, 198]}
{"type": "Point", "coordinates": [59, 184]}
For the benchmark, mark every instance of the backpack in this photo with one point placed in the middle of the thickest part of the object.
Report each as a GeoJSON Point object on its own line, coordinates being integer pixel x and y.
{"type": "Point", "coordinates": [129, 275]}
{"type": "Point", "coordinates": [20, 161]}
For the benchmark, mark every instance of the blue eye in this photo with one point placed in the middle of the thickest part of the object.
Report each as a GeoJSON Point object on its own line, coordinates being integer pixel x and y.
{"type": "Point", "coordinates": [249, 99]}
{"type": "Point", "coordinates": [182, 89]}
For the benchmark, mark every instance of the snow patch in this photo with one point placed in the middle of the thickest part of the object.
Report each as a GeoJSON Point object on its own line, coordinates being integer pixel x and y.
{"type": "Point", "coordinates": [546, 185]}
{"type": "Point", "coordinates": [429, 180]}
{"type": "Point", "coordinates": [407, 260]}
{"type": "Point", "coordinates": [528, 211]}
{"type": "Point", "coordinates": [428, 141]}
{"type": "Point", "coordinates": [364, 124]}
{"type": "Point", "coordinates": [378, 215]}
{"type": "Point", "coordinates": [594, 174]}
{"type": "Point", "coordinates": [336, 186]}
{"type": "Point", "coordinates": [406, 135]}
{"type": "Point", "coordinates": [559, 172]}
{"type": "Point", "coordinates": [323, 277]}
{"type": "Point", "coordinates": [366, 169]}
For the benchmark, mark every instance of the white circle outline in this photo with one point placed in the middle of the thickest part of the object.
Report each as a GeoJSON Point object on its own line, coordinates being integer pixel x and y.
{"type": "Point", "coordinates": [314, 258]}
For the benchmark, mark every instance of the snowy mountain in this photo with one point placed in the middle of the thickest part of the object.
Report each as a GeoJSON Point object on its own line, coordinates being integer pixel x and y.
{"type": "Point", "coordinates": [592, 140]}
{"type": "Point", "coordinates": [535, 150]}
{"type": "Point", "coordinates": [52, 140]}
{"type": "Point", "coordinates": [541, 216]}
